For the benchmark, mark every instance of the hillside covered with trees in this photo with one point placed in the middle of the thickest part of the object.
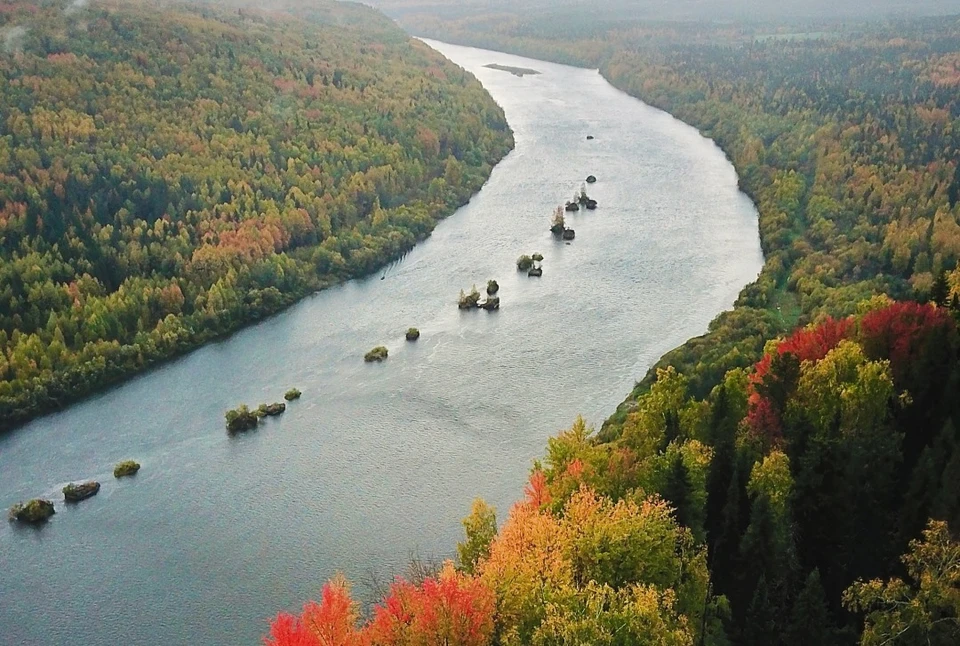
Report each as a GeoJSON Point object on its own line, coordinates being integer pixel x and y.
{"type": "Point", "coordinates": [167, 175]}
{"type": "Point", "coordinates": [792, 476]}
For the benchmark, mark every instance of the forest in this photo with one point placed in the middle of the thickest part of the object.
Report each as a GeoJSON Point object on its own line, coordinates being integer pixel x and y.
{"type": "Point", "coordinates": [170, 174]}
{"type": "Point", "coordinates": [792, 476]}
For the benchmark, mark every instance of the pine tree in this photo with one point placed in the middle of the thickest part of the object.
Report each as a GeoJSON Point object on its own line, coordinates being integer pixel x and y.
{"type": "Point", "coordinates": [810, 621]}
{"type": "Point", "coordinates": [671, 428]}
{"type": "Point", "coordinates": [940, 292]}
{"type": "Point", "coordinates": [678, 491]}
{"type": "Point", "coordinates": [946, 505]}
{"type": "Point", "coordinates": [721, 436]}
{"type": "Point", "coordinates": [761, 627]}
{"type": "Point", "coordinates": [724, 558]}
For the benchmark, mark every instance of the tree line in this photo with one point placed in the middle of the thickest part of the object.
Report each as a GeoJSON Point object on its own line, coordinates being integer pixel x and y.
{"type": "Point", "coordinates": [168, 175]}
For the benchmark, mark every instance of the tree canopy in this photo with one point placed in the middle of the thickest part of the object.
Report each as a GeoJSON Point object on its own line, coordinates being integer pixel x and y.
{"type": "Point", "coordinates": [167, 175]}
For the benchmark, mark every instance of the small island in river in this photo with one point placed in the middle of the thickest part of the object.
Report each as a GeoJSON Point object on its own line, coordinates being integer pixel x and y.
{"type": "Point", "coordinates": [35, 511]}
{"type": "Point", "coordinates": [516, 71]}
{"type": "Point", "coordinates": [126, 468]}
{"type": "Point", "coordinates": [75, 492]}
{"type": "Point", "coordinates": [378, 354]}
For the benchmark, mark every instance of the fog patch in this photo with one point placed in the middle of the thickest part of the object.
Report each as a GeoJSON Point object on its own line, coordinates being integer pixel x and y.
{"type": "Point", "coordinates": [75, 6]}
{"type": "Point", "coordinates": [13, 39]}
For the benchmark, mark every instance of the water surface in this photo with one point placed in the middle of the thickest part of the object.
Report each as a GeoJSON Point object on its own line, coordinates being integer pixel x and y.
{"type": "Point", "coordinates": [375, 462]}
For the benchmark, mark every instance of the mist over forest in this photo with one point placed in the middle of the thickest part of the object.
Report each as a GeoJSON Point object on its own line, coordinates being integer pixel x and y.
{"type": "Point", "coordinates": [744, 10]}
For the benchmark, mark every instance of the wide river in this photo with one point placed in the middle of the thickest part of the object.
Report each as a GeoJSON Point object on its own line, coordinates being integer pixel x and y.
{"type": "Point", "coordinates": [379, 462]}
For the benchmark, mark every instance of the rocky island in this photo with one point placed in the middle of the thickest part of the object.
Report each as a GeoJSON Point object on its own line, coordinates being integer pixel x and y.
{"type": "Point", "coordinates": [377, 355]}
{"type": "Point", "coordinates": [126, 468]}
{"type": "Point", "coordinates": [33, 512]}
{"type": "Point", "coordinates": [516, 71]}
{"type": "Point", "coordinates": [75, 492]}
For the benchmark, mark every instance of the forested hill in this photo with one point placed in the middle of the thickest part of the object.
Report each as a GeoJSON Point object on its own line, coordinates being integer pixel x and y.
{"type": "Point", "coordinates": [167, 175]}
{"type": "Point", "coordinates": [792, 477]}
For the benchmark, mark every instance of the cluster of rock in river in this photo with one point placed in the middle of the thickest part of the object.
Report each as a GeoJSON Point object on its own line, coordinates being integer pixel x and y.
{"type": "Point", "coordinates": [39, 510]}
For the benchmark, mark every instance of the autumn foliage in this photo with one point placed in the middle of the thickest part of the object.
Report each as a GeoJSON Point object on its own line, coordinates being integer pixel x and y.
{"type": "Point", "coordinates": [771, 381]}
{"type": "Point", "coordinates": [451, 608]}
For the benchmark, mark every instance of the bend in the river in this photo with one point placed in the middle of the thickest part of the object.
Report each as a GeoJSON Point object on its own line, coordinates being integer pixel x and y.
{"type": "Point", "coordinates": [376, 461]}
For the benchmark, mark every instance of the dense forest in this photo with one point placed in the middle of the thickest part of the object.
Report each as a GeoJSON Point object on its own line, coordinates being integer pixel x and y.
{"type": "Point", "coordinates": [792, 476]}
{"type": "Point", "coordinates": [167, 175]}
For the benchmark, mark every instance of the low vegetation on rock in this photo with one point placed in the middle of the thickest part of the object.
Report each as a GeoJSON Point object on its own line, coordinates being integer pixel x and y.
{"type": "Point", "coordinates": [271, 410]}
{"type": "Point", "coordinates": [241, 419]}
{"type": "Point", "coordinates": [558, 222]}
{"type": "Point", "coordinates": [126, 468]}
{"type": "Point", "coordinates": [33, 511]}
{"type": "Point", "coordinates": [75, 492]}
{"type": "Point", "coordinates": [469, 301]}
{"type": "Point", "coordinates": [378, 354]}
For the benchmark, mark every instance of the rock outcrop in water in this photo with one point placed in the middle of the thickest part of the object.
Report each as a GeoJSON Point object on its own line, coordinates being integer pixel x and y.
{"type": "Point", "coordinates": [569, 234]}
{"type": "Point", "coordinates": [241, 419]}
{"type": "Point", "coordinates": [126, 468]}
{"type": "Point", "coordinates": [413, 334]}
{"type": "Point", "coordinates": [535, 271]}
{"type": "Point", "coordinates": [33, 511]}
{"type": "Point", "coordinates": [591, 179]}
{"type": "Point", "coordinates": [469, 301]}
{"type": "Point", "coordinates": [75, 492]}
{"type": "Point", "coordinates": [571, 207]}
{"type": "Point", "coordinates": [492, 303]}
{"type": "Point", "coordinates": [377, 355]}
{"type": "Point", "coordinates": [271, 410]}
{"type": "Point", "coordinates": [292, 394]}
{"type": "Point", "coordinates": [558, 222]}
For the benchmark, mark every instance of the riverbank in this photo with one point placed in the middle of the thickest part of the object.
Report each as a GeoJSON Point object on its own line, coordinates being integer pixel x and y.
{"type": "Point", "coordinates": [172, 213]}
{"type": "Point", "coordinates": [377, 461]}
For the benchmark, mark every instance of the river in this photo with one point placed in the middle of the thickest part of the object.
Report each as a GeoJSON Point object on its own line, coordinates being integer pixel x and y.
{"type": "Point", "coordinates": [380, 461]}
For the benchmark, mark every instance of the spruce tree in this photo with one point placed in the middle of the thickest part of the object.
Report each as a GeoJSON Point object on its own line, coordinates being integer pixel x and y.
{"type": "Point", "coordinates": [810, 620]}
{"type": "Point", "coordinates": [761, 627]}
{"type": "Point", "coordinates": [678, 491]}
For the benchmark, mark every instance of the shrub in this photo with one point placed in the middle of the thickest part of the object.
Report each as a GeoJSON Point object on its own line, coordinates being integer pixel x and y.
{"type": "Point", "coordinates": [379, 353]}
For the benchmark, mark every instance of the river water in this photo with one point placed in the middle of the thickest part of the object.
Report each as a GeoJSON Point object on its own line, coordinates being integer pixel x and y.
{"type": "Point", "coordinates": [378, 462]}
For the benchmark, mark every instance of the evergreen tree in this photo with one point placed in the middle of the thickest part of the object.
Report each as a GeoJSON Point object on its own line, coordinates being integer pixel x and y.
{"type": "Point", "coordinates": [940, 292]}
{"type": "Point", "coordinates": [724, 558]}
{"type": "Point", "coordinates": [721, 434]}
{"type": "Point", "coordinates": [946, 503]}
{"type": "Point", "coordinates": [671, 428]}
{"type": "Point", "coordinates": [810, 621]}
{"type": "Point", "coordinates": [762, 628]}
{"type": "Point", "coordinates": [678, 491]}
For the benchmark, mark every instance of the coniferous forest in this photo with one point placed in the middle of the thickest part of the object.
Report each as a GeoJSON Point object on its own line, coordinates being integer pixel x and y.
{"type": "Point", "coordinates": [793, 476]}
{"type": "Point", "coordinates": [168, 175]}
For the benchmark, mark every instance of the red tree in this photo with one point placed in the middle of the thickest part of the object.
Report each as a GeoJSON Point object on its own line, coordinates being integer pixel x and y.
{"type": "Point", "coordinates": [774, 376]}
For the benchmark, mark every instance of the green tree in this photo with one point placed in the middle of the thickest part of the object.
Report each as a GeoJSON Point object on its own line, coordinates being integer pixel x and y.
{"type": "Point", "coordinates": [925, 611]}
{"type": "Point", "coordinates": [810, 620]}
{"type": "Point", "coordinates": [480, 528]}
